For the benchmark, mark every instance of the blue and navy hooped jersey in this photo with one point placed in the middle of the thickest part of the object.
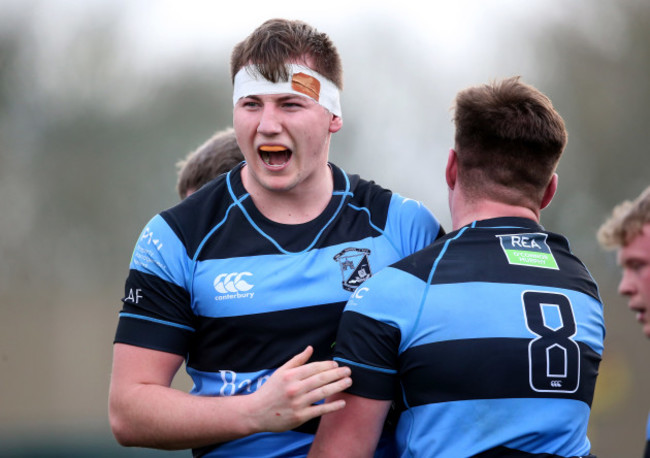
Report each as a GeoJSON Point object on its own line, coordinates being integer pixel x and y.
{"type": "Point", "coordinates": [491, 339]}
{"type": "Point", "coordinates": [238, 295]}
{"type": "Point", "coordinates": [647, 440]}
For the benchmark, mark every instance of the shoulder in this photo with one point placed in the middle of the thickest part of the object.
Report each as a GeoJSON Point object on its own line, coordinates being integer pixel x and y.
{"type": "Point", "coordinates": [383, 203]}
{"type": "Point", "coordinates": [420, 263]}
{"type": "Point", "coordinates": [193, 218]}
{"type": "Point", "coordinates": [367, 192]}
{"type": "Point", "coordinates": [411, 209]}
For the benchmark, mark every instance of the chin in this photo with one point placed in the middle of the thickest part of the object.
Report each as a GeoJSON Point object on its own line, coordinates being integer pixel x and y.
{"type": "Point", "coordinates": [279, 186]}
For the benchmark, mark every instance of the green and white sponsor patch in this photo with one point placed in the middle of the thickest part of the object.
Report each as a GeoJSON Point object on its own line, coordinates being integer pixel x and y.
{"type": "Point", "coordinates": [529, 250]}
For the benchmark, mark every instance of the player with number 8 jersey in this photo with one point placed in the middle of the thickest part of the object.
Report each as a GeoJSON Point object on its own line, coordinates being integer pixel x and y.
{"type": "Point", "coordinates": [484, 350]}
{"type": "Point", "coordinates": [491, 337]}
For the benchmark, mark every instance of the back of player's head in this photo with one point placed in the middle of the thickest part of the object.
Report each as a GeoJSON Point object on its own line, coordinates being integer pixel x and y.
{"type": "Point", "coordinates": [216, 156]}
{"type": "Point", "coordinates": [280, 41]}
{"type": "Point", "coordinates": [626, 221]}
{"type": "Point", "coordinates": [509, 139]}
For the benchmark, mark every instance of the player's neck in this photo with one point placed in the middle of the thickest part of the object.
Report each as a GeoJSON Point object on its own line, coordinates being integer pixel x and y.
{"type": "Point", "coordinates": [465, 213]}
{"type": "Point", "coordinates": [297, 205]}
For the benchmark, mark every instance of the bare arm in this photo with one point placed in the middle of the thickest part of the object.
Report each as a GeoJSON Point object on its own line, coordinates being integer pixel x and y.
{"type": "Point", "coordinates": [353, 431]}
{"type": "Point", "coordinates": [145, 411]}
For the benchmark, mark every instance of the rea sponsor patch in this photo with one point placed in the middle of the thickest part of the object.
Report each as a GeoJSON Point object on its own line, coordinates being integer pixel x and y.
{"type": "Point", "coordinates": [530, 250]}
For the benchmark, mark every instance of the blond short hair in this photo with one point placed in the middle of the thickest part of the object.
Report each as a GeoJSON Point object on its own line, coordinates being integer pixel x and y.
{"type": "Point", "coordinates": [626, 222]}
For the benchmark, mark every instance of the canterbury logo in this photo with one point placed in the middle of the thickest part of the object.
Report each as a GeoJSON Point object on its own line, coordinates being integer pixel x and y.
{"type": "Point", "coordinates": [232, 283]}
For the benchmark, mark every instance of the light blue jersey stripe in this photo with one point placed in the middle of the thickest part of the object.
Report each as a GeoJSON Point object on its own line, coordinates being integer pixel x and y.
{"type": "Point", "coordinates": [465, 428]}
{"type": "Point", "coordinates": [366, 366]}
{"type": "Point", "coordinates": [159, 252]}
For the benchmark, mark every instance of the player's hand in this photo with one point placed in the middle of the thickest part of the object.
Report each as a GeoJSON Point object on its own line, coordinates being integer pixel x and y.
{"type": "Point", "coordinates": [287, 398]}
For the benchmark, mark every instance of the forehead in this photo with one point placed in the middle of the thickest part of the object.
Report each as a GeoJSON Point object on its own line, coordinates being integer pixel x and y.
{"type": "Point", "coordinates": [638, 248]}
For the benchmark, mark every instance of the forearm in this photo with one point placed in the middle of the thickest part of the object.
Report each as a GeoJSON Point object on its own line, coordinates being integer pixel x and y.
{"type": "Point", "coordinates": [145, 411]}
{"type": "Point", "coordinates": [161, 417]}
{"type": "Point", "coordinates": [352, 432]}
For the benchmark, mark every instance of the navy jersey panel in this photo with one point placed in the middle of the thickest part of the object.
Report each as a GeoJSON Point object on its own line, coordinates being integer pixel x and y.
{"type": "Point", "coordinates": [523, 247]}
{"type": "Point", "coordinates": [238, 295]}
{"type": "Point", "coordinates": [374, 367]}
{"type": "Point", "coordinates": [495, 331]}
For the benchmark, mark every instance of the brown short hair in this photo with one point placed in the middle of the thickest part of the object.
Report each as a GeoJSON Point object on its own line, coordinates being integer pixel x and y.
{"type": "Point", "coordinates": [280, 41]}
{"type": "Point", "coordinates": [508, 139]}
{"type": "Point", "coordinates": [626, 222]}
{"type": "Point", "coordinates": [216, 156]}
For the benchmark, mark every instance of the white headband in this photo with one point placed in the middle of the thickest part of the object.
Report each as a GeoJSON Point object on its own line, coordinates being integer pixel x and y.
{"type": "Point", "coordinates": [303, 81]}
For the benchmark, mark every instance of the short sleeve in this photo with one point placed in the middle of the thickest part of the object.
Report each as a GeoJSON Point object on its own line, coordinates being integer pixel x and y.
{"type": "Point", "coordinates": [413, 223]}
{"type": "Point", "coordinates": [156, 310]}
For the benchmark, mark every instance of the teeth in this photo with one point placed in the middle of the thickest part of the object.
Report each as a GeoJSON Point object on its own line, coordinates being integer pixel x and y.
{"type": "Point", "coordinates": [267, 152]}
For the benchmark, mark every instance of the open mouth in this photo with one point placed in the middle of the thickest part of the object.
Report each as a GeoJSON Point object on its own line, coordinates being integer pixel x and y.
{"type": "Point", "coordinates": [274, 155]}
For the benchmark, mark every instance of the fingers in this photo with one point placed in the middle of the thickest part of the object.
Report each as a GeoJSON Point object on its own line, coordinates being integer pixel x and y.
{"type": "Point", "coordinates": [333, 403]}
{"type": "Point", "coordinates": [299, 359]}
{"type": "Point", "coordinates": [325, 383]}
{"type": "Point", "coordinates": [325, 391]}
{"type": "Point", "coordinates": [313, 389]}
{"type": "Point", "coordinates": [298, 369]}
{"type": "Point", "coordinates": [293, 393]}
{"type": "Point", "coordinates": [305, 371]}
{"type": "Point", "coordinates": [317, 410]}
{"type": "Point", "coordinates": [313, 382]}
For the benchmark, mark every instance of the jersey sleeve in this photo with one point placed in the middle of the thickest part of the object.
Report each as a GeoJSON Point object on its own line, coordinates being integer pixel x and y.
{"type": "Point", "coordinates": [411, 224]}
{"type": "Point", "coordinates": [373, 361]}
{"type": "Point", "coordinates": [156, 310]}
{"type": "Point", "coordinates": [647, 439]}
{"type": "Point", "coordinates": [372, 329]}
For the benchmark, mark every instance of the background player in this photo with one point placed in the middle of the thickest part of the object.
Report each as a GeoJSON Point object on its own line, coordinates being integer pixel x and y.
{"type": "Point", "coordinates": [492, 336]}
{"type": "Point", "coordinates": [628, 230]}
{"type": "Point", "coordinates": [216, 156]}
{"type": "Point", "coordinates": [255, 267]}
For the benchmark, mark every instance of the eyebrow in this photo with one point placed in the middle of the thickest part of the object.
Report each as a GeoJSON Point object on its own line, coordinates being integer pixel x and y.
{"type": "Point", "coordinates": [633, 258]}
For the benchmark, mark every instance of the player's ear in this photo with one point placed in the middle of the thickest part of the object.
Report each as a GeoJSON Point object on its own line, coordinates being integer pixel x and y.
{"type": "Point", "coordinates": [451, 170]}
{"type": "Point", "coordinates": [550, 191]}
{"type": "Point", "coordinates": [336, 123]}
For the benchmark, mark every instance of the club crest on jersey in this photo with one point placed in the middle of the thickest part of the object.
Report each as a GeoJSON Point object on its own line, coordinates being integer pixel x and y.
{"type": "Point", "coordinates": [355, 267]}
{"type": "Point", "coordinates": [530, 250]}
